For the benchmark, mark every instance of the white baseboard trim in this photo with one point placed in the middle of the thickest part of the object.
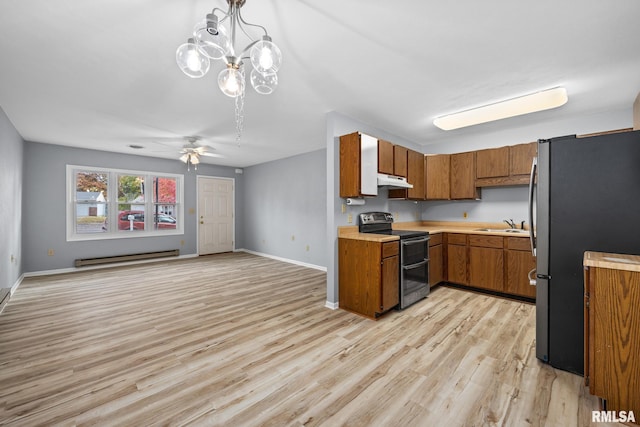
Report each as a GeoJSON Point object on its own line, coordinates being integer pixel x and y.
{"type": "Point", "coordinates": [18, 282]}
{"type": "Point", "coordinates": [99, 267]}
{"type": "Point", "coordinates": [290, 261]}
{"type": "Point", "coordinates": [12, 289]}
{"type": "Point", "coordinates": [332, 305]}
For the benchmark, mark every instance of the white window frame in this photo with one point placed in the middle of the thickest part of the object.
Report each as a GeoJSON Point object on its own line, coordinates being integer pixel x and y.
{"type": "Point", "coordinates": [112, 205]}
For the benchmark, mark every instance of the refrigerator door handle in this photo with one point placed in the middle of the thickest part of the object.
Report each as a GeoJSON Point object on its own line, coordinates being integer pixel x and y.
{"type": "Point", "coordinates": [532, 238]}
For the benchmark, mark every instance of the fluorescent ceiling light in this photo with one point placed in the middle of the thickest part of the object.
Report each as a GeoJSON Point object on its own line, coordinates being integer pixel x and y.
{"type": "Point", "coordinates": [539, 101]}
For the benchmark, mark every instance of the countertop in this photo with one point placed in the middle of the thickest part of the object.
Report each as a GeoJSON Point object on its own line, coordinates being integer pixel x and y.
{"type": "Point", "coordinates": [612, 261]}
{"type": "Point", "coordinates": [432, 227]}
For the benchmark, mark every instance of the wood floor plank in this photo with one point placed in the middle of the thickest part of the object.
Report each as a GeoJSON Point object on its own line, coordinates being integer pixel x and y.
{"type": "Point", "coordinates": [237, 339]}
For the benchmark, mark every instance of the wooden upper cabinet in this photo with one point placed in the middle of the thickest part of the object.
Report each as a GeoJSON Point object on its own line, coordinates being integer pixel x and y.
{"type": "Point", "coordinates": [437, 181]}
{"type": "Point", "coordinates": [400, 161]}
{"type": "Point", "coordinates": [415, 172]}
{"type": "Point", "coordinates": [520, 158]}
{"type": "Point", "coordinates": [492, 163]}
{"type": "Point", "coordinates": [385, 157]}
{"type": "Point", "coordinates": [358, 165]}
{"type": "Point", "coordinates": [463, 177]}
{"type": "Point", "coordinates": [415, 177]}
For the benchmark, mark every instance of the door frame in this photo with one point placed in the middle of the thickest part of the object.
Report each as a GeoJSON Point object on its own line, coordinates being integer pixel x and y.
{"type": "Point", "coordinates": [233, 211]}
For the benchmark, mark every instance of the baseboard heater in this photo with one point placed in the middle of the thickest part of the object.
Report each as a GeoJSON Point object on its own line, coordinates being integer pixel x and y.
{"type": "Point", "coordinates": [123, 258]}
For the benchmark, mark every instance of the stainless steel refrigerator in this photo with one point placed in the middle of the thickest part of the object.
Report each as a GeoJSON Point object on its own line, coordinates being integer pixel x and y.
{"type": "Point", "coordinates": [587, 198]}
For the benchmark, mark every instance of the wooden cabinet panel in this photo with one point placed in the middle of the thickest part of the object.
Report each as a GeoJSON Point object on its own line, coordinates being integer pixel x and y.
{"type": "Point", "coordinates": [518, 243]}
{"type": "Point", "coordinates": [385, 157]}
{"type": "Point", "coordinates": [435, 239]}
{"type": "Point", "coordinates": [415, 170]}
{"type": "Point", "coordinates": [457, 264]}
{"type": "Point", "coordinates": [612, 337]}
{"type": "Point", "coordinates": [519, 263]}
{"type": "Point", "coordinates": [463, 177]}
{"type": "Point", "coordinates": [492, 163]}
{"type": "Point", "coordinates": [456, 239]}
{"type": "Point", "coordinates": [437, 176]}
{"type": "Point", "coordinates": [390, 287]}
{"type": "Point", "coordinates": [485, 241]}
{"type": "Point", "coordinates": [486, 268]}
{"type": "Point", "coordinates": [436, 264]}
{"type": "Point", "coordinates": [400, 161]}
{"type": "Point", "coordinates": [520, 158]}
{"type": "Point", "coordinates": [390, 249]}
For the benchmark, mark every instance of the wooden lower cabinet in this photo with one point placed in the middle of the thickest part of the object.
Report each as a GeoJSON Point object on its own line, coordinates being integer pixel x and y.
{"type": "Point", "coordinates": [457, 259]}
{"type": "Point", "coordinates": [436, 259]}
{"type": "Point", "coordinates": [368, 274]}
{"type": "Point", "coordinates": [612, 335]}
{"type": "Point", "coordinates": [486, 262]}
{"type": "Point", "coordinates": [518, 265]}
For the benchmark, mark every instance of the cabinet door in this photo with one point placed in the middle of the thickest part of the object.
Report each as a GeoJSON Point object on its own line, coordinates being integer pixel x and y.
{"type": "Point", "coordinates": [457, 264]}
{"type": "Point", "coordinates": [519, 264]}
{"type": "Point", "coordinates": [436, 265]}
{"type": "Point", "coordinates": [415, 170]}
{"type": "Point", "coordinates": [520, 158]}
{"type": "Point", "coordinates": [385, 157]}
{"type": "Point", "coordinates": [390, 286]}
{"type": "Point", "coordinates": [492, 163]}
{"type": "Point", "coordinates": [437, 181]}
{"type": "Point", "coordinates": [486, 268]}
{"type": "Point", "coordinates": [463, 176]}
{"type": "Point", "coordinates": [400, 161]}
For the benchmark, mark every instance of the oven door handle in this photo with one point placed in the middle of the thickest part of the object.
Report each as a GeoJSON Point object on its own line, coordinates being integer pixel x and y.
{"type": "Point", "coordinates": [413, 242]}
{"type": "Point", "coordinates": [416, 265]}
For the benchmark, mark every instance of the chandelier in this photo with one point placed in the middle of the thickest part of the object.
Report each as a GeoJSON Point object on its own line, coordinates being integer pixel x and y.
{"type": "Point", "coordinates": [212, 40]}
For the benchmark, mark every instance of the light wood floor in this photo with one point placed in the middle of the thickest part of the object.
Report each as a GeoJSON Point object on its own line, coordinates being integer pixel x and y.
{"type": "Point", "coordinates": [237, 339]}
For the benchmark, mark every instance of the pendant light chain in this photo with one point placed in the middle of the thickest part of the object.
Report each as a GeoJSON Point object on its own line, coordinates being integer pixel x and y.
{"type": "Point", "coordinates": [239, 116]}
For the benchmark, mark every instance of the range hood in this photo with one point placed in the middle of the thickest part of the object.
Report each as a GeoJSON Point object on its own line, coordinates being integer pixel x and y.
{"type": "Point", "coordinates": [392, 181]}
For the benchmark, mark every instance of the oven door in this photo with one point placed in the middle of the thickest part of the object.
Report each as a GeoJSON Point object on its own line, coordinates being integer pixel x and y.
{"type": "Point", "coordinates": [414, 250]}
{"type": "Point", "coordinates": [414, 270]}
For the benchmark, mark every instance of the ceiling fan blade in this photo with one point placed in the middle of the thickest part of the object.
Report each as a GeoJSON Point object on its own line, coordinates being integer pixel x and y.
{"type": "Point", "coordinates": [213, 155]}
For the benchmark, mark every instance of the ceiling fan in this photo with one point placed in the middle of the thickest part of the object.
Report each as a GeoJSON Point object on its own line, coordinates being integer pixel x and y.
{"type": "Point", "coordinates": [191, 152]}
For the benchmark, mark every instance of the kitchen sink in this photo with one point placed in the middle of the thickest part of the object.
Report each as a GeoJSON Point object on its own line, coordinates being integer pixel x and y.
{"type": "Point", "coordinates": [504, 230]}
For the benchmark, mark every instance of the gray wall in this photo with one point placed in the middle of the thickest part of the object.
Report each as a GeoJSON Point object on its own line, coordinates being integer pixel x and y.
{"type": "Point", "coordinates": [44, 215]}
{"type": "Point", "coordinates": [286, 208]}
{"type": "Point", "coordinates": [11, 191]}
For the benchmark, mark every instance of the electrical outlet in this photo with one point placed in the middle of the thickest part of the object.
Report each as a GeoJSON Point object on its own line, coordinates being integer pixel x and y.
{"type": "Point", "coordinates": [50, 252]}
{"type": "Point", "coordinates": [344, 208]}
{"type": "Point", "coordinates": [465, 215]}
{"type": "Point", "coordinates": [349, 218]}
{"type": "Point", "coordinates": [12, 258]}
{"type": "Point", "coordinates": [181, 242]}
{"type": "Point", "coordinates": [192, 211]}
{"type": "Point", "coordinates": [307, 248]}
{"type": "Point", "coordinates": [293, 238]}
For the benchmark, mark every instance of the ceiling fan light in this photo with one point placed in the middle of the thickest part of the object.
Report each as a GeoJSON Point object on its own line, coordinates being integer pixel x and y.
{"type": "Point", "coordinates": [266, 56]}
{"type": "Point", "coordinates": [231, 80]}
{"type": "Point", "coordinates": [538, 101]}
{"type": "Point", "coordinates": [191, 61]}
{"type": "Point", "coordinates": [194, 158]}
{"type": "Point", "coordinates": [184, 158]}
{"type": "Point", "coordinates": [211, 38]}
{"type": "Point", "coordinates": [263, 83]}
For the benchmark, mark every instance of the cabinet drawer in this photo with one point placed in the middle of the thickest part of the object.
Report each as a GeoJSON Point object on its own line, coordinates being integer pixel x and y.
{"type": "Point", "coordinates": [518, 243]}
{"type": "Point", "coordinates": [390, 249]}
{"type": "Point", "coordinates": [486, 241]}
{"type": "Point", "coordinates": [435, 239]}
{"type": "Point", "coordinates": [456, 239]}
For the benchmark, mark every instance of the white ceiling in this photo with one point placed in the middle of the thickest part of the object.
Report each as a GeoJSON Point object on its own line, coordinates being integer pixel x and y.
{"type": "Point", "coordinates": [102, 73]}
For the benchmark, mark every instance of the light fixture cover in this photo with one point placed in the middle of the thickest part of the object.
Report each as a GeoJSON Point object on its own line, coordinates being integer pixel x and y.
{"type": "Point", "coordinates": [231, 81]}
{"type": "Point", "coordinates": [214, 46]}
{"type": "Point", "coordinates": [266, 57]}
{"type": "Point", "coordinates": [265, 83]}
{"type": "Point", "coordinates": [539, 101]}
{"type": "Point", "coordinates": [193, 63]}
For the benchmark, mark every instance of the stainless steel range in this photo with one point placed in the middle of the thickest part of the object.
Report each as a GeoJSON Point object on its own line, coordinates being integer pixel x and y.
{"type": "Point", "coordinates": [414, 255]}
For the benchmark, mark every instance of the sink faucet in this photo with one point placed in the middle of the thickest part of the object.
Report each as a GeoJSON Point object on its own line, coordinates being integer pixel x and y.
{"type": "Point", "coordinates": [510, 223]}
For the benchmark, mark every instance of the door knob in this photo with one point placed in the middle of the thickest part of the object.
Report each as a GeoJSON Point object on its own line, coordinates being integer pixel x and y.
{"type": "Point", "coordinates": [201, 222]}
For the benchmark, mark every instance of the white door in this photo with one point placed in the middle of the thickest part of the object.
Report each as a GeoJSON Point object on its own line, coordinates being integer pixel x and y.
{"type": "Point", "coordinates": [215, 215]}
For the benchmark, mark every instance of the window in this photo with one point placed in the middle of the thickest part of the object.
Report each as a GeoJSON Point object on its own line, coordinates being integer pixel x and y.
{"type": "Point", "coordinates": [110, 203]}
